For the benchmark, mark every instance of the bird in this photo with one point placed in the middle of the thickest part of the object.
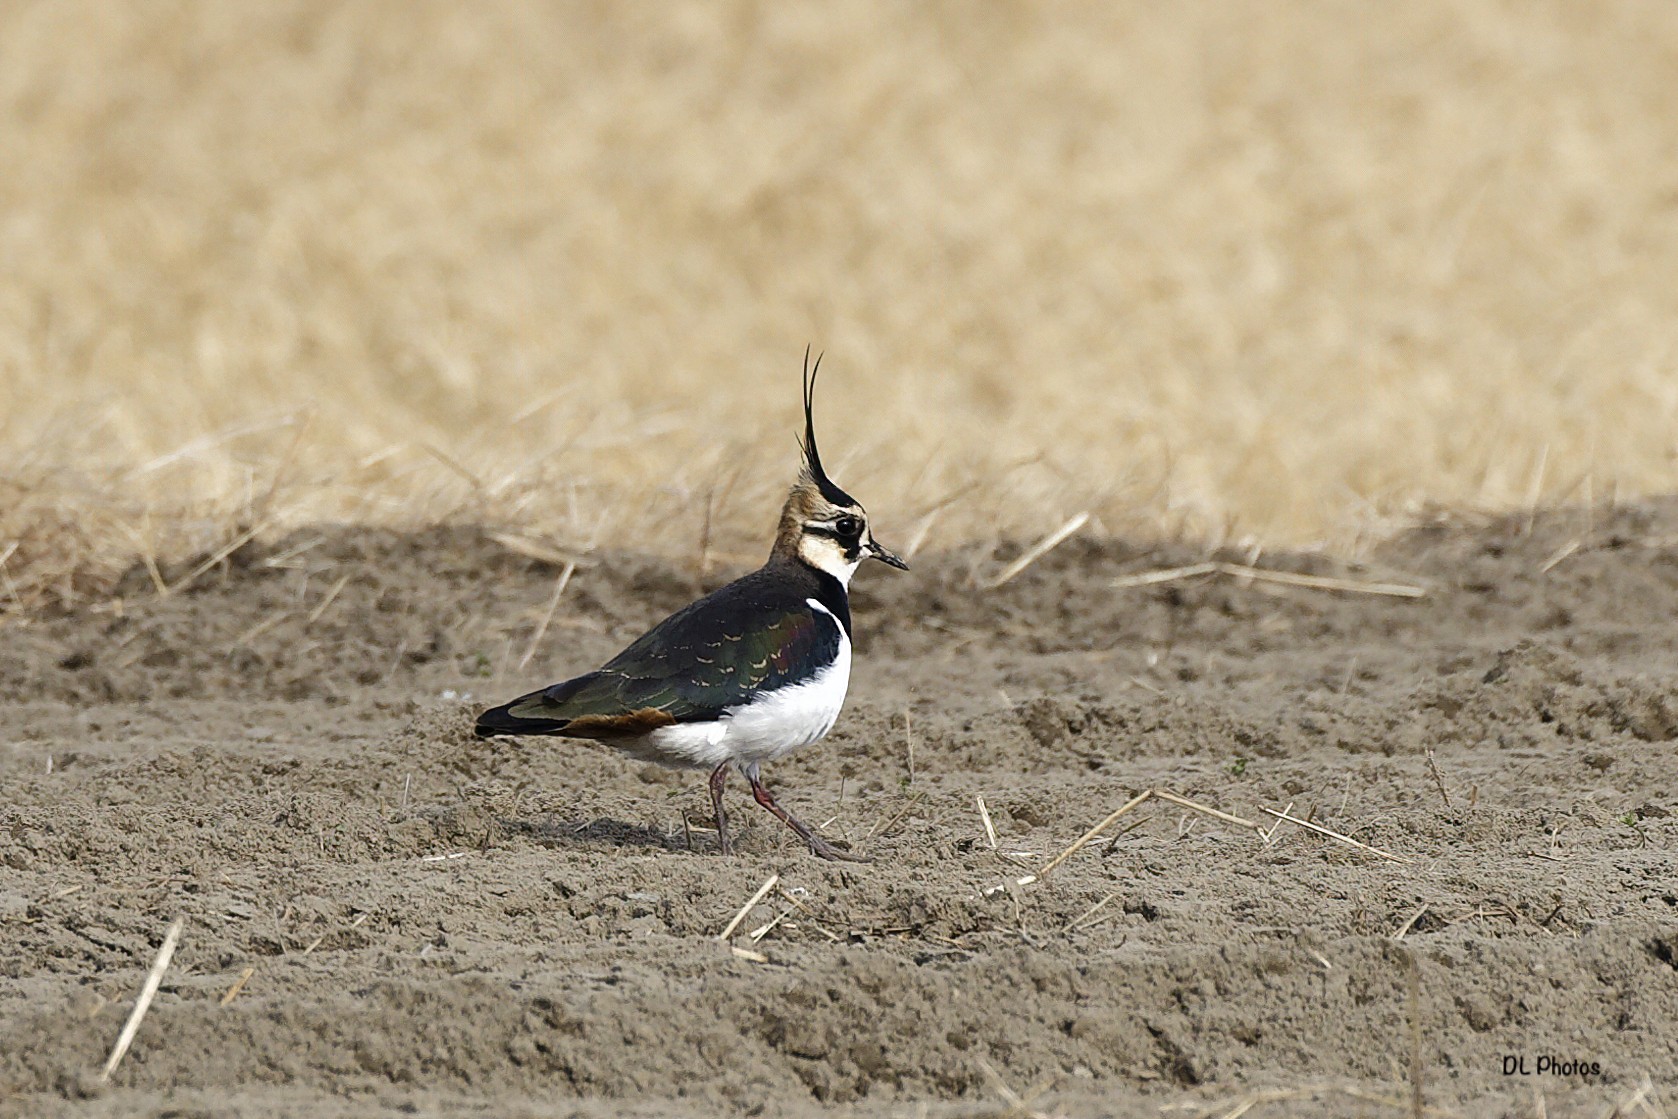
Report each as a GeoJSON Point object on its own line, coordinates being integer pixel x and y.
{"type": "Point", "coordinates": [746, 674]}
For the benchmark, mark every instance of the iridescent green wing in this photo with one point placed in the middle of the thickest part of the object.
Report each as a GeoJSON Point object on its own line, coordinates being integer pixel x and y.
{"type": "Point", "coordinates": [692, 667]}
{"type": "Point", "coordinates": [700, 667]}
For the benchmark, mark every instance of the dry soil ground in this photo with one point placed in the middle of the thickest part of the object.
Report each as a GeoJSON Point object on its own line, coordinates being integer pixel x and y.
{"type": "Point", "coordinates": [418, 922]}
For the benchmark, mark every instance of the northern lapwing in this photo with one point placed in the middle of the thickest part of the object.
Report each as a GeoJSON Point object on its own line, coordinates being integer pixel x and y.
{"type": "Point", "coordinates": [742, 676]}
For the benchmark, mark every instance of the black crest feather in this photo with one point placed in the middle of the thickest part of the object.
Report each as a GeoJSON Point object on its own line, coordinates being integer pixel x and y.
{"type": "Point", "coordinates": [812, 457]}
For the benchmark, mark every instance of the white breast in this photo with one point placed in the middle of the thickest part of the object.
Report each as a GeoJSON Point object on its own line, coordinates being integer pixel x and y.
{"type": "Point", "coordinates": [769, 726]}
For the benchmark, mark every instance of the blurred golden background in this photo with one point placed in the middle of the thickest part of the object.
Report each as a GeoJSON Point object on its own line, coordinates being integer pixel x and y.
{"type": "Point", "coordinates": [1278, 271]}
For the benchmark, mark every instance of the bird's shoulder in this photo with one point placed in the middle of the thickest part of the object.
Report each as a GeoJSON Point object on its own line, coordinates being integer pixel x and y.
{"type": "Point", "coordinates": [777, 611]}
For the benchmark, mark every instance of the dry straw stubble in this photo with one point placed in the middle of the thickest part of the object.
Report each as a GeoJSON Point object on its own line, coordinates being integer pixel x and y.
{"type": "Point", "coordinates": [1196, 269]}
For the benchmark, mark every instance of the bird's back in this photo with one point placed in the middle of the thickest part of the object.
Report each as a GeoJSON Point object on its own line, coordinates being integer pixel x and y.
{"type": "Point", "coordinates": [776, 627]}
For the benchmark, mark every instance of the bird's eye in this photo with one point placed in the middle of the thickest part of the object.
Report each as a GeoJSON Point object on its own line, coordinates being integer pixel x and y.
{"type": "Point", "coordinates": [847, 525]}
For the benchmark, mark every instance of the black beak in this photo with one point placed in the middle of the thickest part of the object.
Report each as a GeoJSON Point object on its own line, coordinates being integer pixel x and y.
{"type": "Point", "coordinates": [890, 559]}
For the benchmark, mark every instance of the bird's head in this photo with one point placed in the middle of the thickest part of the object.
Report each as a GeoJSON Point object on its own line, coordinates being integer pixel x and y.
{"type": "Point", "coordinates": [821, 524]}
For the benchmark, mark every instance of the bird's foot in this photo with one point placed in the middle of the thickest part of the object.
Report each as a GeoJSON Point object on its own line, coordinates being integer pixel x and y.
{"type": "Point", "coordinates": [822, 849]}
{"type": "Point", "coordinates": [819, 847]}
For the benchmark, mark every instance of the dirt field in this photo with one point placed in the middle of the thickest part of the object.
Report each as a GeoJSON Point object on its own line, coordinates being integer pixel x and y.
{"type": "Point", "coordinates": [420, 923]}
{"type": "Point", "coordinates": [1206, 273]}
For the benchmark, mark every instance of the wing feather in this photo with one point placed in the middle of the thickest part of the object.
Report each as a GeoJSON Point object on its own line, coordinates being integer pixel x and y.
{"type": "Point", "coordinates": [692, 667]}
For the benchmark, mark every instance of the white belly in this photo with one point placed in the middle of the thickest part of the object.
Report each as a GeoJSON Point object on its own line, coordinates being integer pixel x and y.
{"type": "Point", "coordinates": [787, 718]}
{"type": "Point", "coordinates": [771, 725]}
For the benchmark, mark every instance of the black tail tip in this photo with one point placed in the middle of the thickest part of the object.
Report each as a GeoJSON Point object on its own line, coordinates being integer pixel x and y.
{"type": "Point", "coordinates": [498, 721]}
{"type": "Point", "coordinates": [495, 721]}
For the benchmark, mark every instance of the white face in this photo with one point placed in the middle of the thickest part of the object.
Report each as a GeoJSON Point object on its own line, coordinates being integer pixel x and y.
{"type": "Point", "coordinates": [827, 554]}
{"type": "Point", "coordinates": [836, 541]}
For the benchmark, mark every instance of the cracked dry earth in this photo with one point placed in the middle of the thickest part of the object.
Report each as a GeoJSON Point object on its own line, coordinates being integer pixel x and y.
{"type": "Point", "coordinates": [383, 914]}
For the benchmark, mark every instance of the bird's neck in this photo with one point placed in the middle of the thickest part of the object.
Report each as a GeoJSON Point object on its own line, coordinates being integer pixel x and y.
{"type": "Point", "coordinates": [822, 585]}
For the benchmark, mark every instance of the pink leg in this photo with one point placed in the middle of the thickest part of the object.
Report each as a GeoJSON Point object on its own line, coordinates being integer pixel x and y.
{"type": "Point", "coordinates": [818, 846]}
{"type": "Point", "coordinates": [719, 781]}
